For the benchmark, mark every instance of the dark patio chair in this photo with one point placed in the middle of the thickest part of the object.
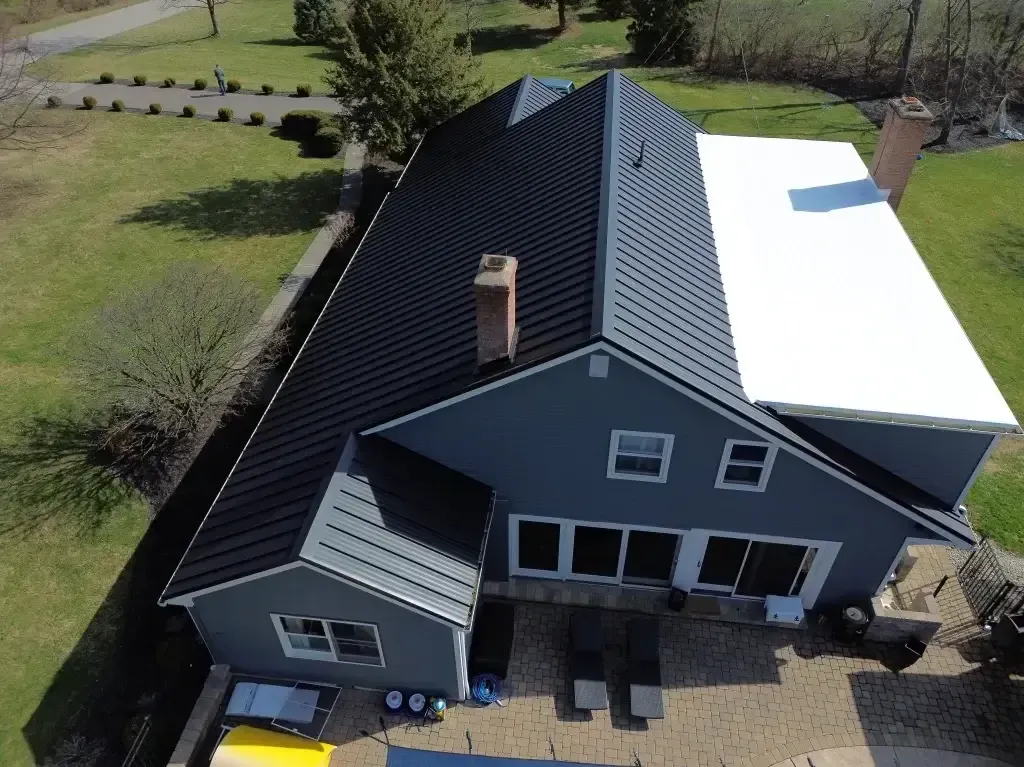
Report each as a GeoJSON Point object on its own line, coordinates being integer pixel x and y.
{"type": "Point", "coordinates": [586, 664]}
{"type": "Point", "coordinates": [645, 693]}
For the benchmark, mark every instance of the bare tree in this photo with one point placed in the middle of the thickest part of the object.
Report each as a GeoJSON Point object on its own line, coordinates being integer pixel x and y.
{"type": "Point", "coordinates": [170, 358]}
{"type": "Point", "coordinates": [23, 124]}
{"type": "Point", "coordinates": [958, 91]}
{"type": "Point", "coordinates": [210, 5]}
{"type": "Point", "coordinates": [913, 15]}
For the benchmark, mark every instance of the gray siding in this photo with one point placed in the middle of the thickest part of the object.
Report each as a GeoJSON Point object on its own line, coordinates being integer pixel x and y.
{"type": "Point", "coordinates": [542, 444]}
{"type": "Point", "coordinates": [939, 461]}
{"type": "Point", "coordinates": [419, 653]}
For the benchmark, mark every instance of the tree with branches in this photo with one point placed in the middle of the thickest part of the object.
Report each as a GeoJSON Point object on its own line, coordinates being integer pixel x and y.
{"type": "Point", "coordinates": [170, 358]}
{"type": "Point", "coordinates": [211, 7]}
{"type": "Point", "coordinates": [23, 124]}
{"type": "Point", "coordinates": [964, 46]}
{"type": "Point", "coordinates": [662, 31]}
{"type": "Point", "coordinates": [562, 5]}
{"type": "Point", "coordinates": [913, 17]}
{"type": "Point", "coordinates": [316, 21]}
{"type": "Point", "coordinates": [399, 72]}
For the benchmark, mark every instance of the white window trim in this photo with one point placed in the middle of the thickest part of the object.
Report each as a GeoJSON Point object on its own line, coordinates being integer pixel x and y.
{"type": "Point", "coordinates": [567, 532]}
{"type": "Point", "coordinates": [332, 656]}
{"type": "Point", "coordinates": [766, 467]}
{"type": "Point", "coordinates": [666, 456]}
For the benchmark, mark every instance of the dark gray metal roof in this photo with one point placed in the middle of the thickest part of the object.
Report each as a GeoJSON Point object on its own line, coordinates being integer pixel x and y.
{"type": "Point", "coordinates": [399, 331]}
{"type": "Point", "coordinates": [404, 527]}
{"type": "Point", "coordinates": [610, 245]}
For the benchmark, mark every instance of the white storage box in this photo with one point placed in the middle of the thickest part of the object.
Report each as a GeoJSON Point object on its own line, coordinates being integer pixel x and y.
{"type": "Point", "coordinates": [785, 610]}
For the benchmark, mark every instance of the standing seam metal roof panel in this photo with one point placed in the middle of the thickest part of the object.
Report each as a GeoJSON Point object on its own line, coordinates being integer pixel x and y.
{"type": "Point", "coordinates": [399, 331]}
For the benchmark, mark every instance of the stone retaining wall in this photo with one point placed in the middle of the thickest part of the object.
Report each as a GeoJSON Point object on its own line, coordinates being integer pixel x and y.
{"type": "Point", "coordinates": [203, 715]}
{"type": "Point", "coordinates": [893, 625]}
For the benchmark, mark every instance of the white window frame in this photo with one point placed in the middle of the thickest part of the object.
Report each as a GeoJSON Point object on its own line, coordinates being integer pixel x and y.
{"type": "Point", "coordinates": [613, 452]}
{"type": "Point", "coordinates": [334, 656]}
{"type": "Point", "coordinates": [727, 460]}
{"type": "Point", "coordinates": [567, 535]}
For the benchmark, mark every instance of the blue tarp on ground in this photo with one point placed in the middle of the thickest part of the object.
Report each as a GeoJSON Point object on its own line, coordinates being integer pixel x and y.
{"type": "Point", "coordinates": [411, 757]}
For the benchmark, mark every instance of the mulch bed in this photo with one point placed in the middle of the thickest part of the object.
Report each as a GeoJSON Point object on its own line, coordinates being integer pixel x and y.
{"type": "Point", "coordinates": [208, 89]}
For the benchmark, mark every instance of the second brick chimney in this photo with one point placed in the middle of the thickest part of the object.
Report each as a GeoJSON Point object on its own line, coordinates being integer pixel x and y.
{"type": "Point", "coordinates": [495, 291]}
{"type": "Point", "coordinates": [906, 121]}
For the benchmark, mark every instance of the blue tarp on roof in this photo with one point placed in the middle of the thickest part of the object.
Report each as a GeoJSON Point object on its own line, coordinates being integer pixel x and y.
{"type": "Point", "coordinates": [411, 757]}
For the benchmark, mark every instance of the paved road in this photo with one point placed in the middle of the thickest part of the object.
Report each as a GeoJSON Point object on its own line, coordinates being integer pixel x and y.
{"type": "Point", "coordinates": [79, 33]}
{"type": "Point", "coordinates": [205, 102]}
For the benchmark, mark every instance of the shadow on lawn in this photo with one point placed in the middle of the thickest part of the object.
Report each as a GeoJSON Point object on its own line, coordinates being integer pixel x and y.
{"type": "Point", "coordinates": [56, 468]}
{"type": "Point", "coordinates": [248, 207]}
{"type": "Point", "coordinates": [312, 51]}
{"type": "Point", "coordinates": [1008, 247]}
{"type": "Point", "coordinates": [508, 37]}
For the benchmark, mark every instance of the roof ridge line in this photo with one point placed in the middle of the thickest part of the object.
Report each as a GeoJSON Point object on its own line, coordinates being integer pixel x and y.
{"type": "Point", "coordinates": [607, 217]}
{"type": "Point", "coordinates": [520, 102]}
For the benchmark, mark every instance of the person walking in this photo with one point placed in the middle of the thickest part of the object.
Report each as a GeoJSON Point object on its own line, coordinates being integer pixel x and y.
{"type": "Point", "coordinates": [219, 74]}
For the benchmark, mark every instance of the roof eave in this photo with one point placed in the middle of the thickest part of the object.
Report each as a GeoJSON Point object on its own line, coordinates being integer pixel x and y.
{"type": "Point", "coordinates": [852, 414]}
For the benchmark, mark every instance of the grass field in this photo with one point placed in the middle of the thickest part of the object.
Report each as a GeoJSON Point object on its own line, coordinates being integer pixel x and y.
{"type": "Point", "coordinates": [113, 207]}
{"type": "Point", "coordinates": [256, 46]}
{"type": "Point", "coordinates": [963, 213]}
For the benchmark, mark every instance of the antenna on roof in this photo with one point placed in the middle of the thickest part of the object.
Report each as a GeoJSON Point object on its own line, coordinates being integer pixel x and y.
{"type": "Point", "coordinates": [639, 161]}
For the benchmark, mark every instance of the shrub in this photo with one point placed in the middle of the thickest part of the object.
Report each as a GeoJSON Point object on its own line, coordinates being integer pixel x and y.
{"type": "Point", "coordinates": [305, 90]}
{"type": "Point", "coordinates": [88, 102]}
{"type": "Point", "coordinates": [234, 86]}
{"type": "Point", "coordinates": [155, 109]}
{"type": "Point", "coordinates": [107, 77]}
{"type": "Point", "coordinates": [224, 114]}
{"type": "Point", "coordinates": [170, 82]}
{"type": "Point", "coordinates": [188, 110]}
{"type": "Point", "coordinates": [614, 9]}
{"type": "Point", "coordinates": [267, 89]}
{"type": "Point", "coordinates": [140, 79]}
{"type": "Point", "coordinates": [200, 83]}
{"type": "Point", "coordinates": [316, 21]}
{"type": "Point", "coordinates": [53, 101]}
{"type": "Point", "coordinates": [327, 142]}
{"type": "Point", "coordinates": [257, 118]}
{"type": "Point", "coordinates": [302, 124]}
{"type": "Point", "coordinates": [117, 105]}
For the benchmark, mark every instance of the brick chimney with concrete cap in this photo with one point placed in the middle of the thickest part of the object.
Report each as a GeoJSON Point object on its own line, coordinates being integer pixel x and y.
{"type": "Point", "coordinates": [495, 290]}
{"type": "Point", "coordinates": [906, 121]}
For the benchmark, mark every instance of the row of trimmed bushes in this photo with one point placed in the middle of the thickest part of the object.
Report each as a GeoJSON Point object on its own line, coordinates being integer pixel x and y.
{"type": "Point", "coordinates": [233, 86]}
{"type": "Point", "coordinates": [224, 114]}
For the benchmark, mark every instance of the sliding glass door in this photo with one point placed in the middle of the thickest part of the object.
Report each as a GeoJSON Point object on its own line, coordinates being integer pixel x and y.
{"type": "Point", "coordinates": [753, 568]}
{"type": "Point", "coordinates": [601, 553]}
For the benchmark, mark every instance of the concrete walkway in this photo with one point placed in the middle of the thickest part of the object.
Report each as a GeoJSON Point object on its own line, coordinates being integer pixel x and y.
{"type": "Point", "coordinates": [206, 102]}
{"type": "Point", "coordinates": [79, 33]}
{"type": "Point", "coordinates": [886, 756]}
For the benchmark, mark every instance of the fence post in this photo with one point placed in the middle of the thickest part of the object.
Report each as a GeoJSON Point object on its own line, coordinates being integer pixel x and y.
{"type": "Point", "coordinates": [974, 553]}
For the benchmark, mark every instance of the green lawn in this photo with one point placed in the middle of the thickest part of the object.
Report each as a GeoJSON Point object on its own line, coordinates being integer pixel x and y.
{"type": "Point", "coordinates": [114, 206]}
{"type": "Point", "coordinates": [963, 212]}
{"type": "Point", "coordinates": [256, 46]}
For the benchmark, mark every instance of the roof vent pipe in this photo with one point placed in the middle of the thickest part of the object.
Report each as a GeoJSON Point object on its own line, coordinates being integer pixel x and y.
{"type": "Point", "coordinates": [495, 292]}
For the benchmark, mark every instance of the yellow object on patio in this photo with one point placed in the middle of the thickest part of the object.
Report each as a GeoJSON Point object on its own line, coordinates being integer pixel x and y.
{"type": "Point", "coordinates": [248, 746]}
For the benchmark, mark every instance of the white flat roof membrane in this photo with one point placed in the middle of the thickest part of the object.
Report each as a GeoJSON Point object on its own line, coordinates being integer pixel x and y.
{"type": "Point", "coordinates": [832, 309]}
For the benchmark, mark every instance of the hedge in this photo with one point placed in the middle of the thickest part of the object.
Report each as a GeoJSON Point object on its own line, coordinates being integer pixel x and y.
{"type": "Point", "coordinates": [117, 105]}
{"type": "Point", "coordinates": [327, 142]}
{"type": "Point", "coordinates": [224, 114]}
{"type": "Point", "coordinates": [200, 83]}
{"type": "Point", "coordinates": [107, 77]}
{"type": "Point", "coordinates": [303, 124]}
{"type": "Point", "coordinates": [88, 102]}
{"type": "Point", "coordinates": [257, 118]}
{"type": "Point", "coordinates": [304, 90]}
{"type": "Point", "coordinates": [155, 109]}
{"type": "Point", "coordinates": [233, 86]}
{"type": "Point", "coordinates": [140, 79]}
{"type": "Point", "coordinates": [188, 110]}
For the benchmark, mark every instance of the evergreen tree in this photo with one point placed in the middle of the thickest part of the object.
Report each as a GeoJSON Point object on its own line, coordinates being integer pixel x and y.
{"type": "Point", "coordinates": [400, 73]}
{"type": "Point", "coordinates": [613, 9]}
{"type": "Point", "coordinates": [316, 21]}
{"type": "Point", "coordinates": [662, 31]}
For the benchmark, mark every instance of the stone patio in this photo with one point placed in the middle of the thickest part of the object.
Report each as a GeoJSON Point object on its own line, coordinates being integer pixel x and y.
{"type": "Point", "coordinates": [735, 695]}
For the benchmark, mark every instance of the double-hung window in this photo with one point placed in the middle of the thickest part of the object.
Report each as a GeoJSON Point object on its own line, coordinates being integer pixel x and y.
{"type": "Point", "coordinates": [745, 465]}
{"type": "Point", "coordinates": [637, 455]}
{"type": "Point", "coordinates": [336, 641]}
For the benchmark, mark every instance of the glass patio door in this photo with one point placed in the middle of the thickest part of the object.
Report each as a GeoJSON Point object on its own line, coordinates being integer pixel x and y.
{"type": "Point", "coordinates": [750, 568]}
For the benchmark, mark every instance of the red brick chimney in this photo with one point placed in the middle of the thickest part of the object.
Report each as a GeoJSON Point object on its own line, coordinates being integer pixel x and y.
{"type": "Point", "coordinates": [906, 121]}
{"type": "Point", "coordinates": [495, 290]}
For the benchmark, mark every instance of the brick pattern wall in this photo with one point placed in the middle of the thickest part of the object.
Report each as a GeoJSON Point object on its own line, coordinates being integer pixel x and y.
{"type": "Point", "coordinates": [900, 625]}
{"type": "Point", "coordinates": [896, 151]}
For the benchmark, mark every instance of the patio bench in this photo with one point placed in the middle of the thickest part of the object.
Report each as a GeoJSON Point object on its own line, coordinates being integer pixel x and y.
{"type": "Point", "coordinates": [586, 664]}
{"type": "Point", "coordinates": [645, 694]}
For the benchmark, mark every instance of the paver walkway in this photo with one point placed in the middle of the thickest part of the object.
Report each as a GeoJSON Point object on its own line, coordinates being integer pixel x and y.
{"type": "Point", "coordinates": [735, 695]}
{"type": "Point", "coordinates": [206, 102]}
{"type": "Point", "coordinates": [885, 756]}
{"type": "Point", "coordinates": [79, 33]}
